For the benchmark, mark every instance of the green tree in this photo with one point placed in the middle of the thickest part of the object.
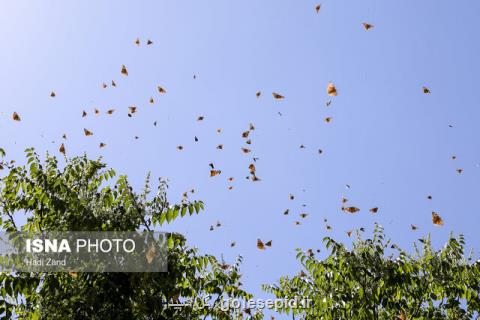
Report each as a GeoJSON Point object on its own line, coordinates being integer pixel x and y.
{"type": "Point", "coordinates": [378, 280]}
{"type": "Point", "coordinates": [84, 195]}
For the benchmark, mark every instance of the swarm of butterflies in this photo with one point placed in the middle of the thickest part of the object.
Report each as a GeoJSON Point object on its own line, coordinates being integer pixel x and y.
{"type": "Point", "coordinates": [331, 91]}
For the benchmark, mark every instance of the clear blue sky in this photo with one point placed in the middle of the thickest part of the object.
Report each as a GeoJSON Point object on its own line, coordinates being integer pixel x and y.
{"type": "Point", "coordinates": [390, 142]}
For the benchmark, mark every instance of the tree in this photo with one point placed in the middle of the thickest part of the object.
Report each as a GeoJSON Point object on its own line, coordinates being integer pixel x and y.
{"type": "Point", "coordinates": [84, 195]}
{"type": "Point", "coordinates": [378, 280]}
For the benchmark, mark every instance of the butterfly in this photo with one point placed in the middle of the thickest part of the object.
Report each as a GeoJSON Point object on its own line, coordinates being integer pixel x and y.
{"type": "Point", "coordinates": [328, 119]}
{"type": "Point", "coordinates": [258, 94]}
{"type": "Point", "coordinates": [286, 212]}
{"type": "Point", "coordinates": [214, 173]}
{"type": "Point", "coordinates": [104, 85]}
{"type": "Point", "coordinates": [246, 150]}
{"type": "Point", "coordinates": [220, 147]}
{"type": "Point", "coordinates": [261, 245]}
{"type": "Point", "coordinates": [402, 316]}
{"type": "Point", "coordinates": [429, 197]}
{"type": "Point", "coordinates": [16, 117]}
{"type": "Point", "coordinates": [320, 151]}
{"type": "Point", "coordinates": [233, 244]}
{"type": "Point", "coordinates": [331, 90]}
{"type": "Point", "coordinates": [426, 90]}
{"type": "Point", "coordinates": [179, 148]}
{"type": "Point", "coordinates": [291, 197]}
{"type": "Point", "coordinates": [303, 215]}
{"type": "Point", "coordinates": [328, 103]}
{"type": "Point", "coordinates": [102, 145]}
{"type": "Point", "coordinates": [200, 118]}
{"type": "Point", "coordinates": [53, 94]}
{"type": "Point", "coordinates": [64, 136]}
{"type": "Point", "coordinates": [149, 42]}
{"type": "Point", "coordinates": [132, 109]}
{"type": "Point", "coordinates": [84, 114]}
{"type": "Point", "coordinates": [230, 179]}
{"type": "Point", "coordinates": [62, 149]}
{"type": "Point", "coordinates": [87, 132]}
{"type": "Point", "coordinates": [124, 70]}
{"type": "Point", "coordinates": [252, 168]}
{"type": "Point", "coordinates": [114, 84]}
{"type": "Point", "coordinates": [368, 26]}
{"type": "Point", "coordinates": [224, 266]}
{"type": "Point", "coordinates": [255, 178]}
{"type": "Point", "coordinates": [248, 141]}
{"type": "Point", "coordinates": [459, 170]}
{"type": "Point", "coordinates": [161, 90]}
{"type": "Point", "coordinates": [350, 209]}
{"type": "Point", "coordinates": [245, 134]}
{"type": "Point", "coordinates": [374, 210]}
{"type": "Point", "coordinates": [277, 96]}
{"type": "Point", "coordinates": [111, 111]}
{"type": "Point", "coordinates": [318, 7]}
{"type": "Point", "coordinates": [413, 227]}
{"type": "Point", "coordinates": [196, 139]}
{"type": "Point", "coordinates": [96, 111]}
{"type": "Point", "coordinates": [349, 233]}
{"type": "Point", "coordinates": [150, 255]}
{"type": "Point", "coordinates": [436, 219]}
{"type": "Point", "coordinates": [137, 42]}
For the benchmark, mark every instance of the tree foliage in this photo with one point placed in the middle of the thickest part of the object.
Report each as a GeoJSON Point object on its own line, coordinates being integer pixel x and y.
{"type": "Point", "coordinates": [84, 195]}
{"type": "Point", "coordinates": [375, 279]}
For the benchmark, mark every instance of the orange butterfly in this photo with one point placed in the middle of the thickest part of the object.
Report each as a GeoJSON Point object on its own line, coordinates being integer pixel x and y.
{"type": "Point", "coordinates": [436, 219]}
{"type": "Point", "coordinates": [368, 26]}
{"type": "Point", "coordinates": [277, 96]}
{"type": "Point", "coordinates": [331, 90]}
{"type": "Point", "coordinates": [16, 117]}
{"type": "Point", "coordinates": [124, 70]}
{"type": "Point", "coordinates": [350, 209]}
{"type": "Point", "coordinates": [62, 149]}
{"type": "Point", "coordinates": [214, 173]}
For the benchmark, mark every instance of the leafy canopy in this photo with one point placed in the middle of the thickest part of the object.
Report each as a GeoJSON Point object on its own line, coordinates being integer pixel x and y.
{"type": "Point", "coordinates": [378, 280]}
{"type": "Point", "coordinates": [84, 195]}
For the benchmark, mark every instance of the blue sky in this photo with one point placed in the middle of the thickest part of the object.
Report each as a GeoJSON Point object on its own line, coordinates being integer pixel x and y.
{"type": "Point", "coordinates": [390, 142]}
